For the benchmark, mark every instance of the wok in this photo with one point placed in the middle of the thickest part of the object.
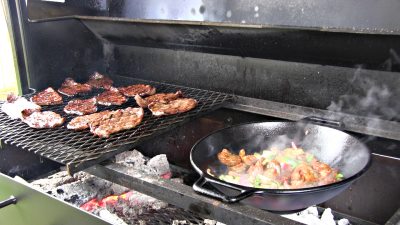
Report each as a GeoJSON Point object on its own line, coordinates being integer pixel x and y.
{"type": "Point", "coordinates": [331, 146]}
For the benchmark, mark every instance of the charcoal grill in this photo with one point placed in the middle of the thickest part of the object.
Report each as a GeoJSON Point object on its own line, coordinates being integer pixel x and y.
{"type": "Point", "coordinates": [80, 150]}
{"type": "Point", "coordinates": [242, 60]}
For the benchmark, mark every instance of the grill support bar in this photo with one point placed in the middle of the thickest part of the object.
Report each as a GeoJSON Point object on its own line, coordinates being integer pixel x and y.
{"type": "Point", "coordinates": [184, 197]}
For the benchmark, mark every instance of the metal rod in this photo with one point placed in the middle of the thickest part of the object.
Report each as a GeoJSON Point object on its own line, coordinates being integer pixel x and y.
{"type": "Point", "coordinates": [395, 219]}
{"type": "Point", "coordinates": [184, 197]}
{"type": "Point", "coordinates": [355, 123]}
{"type": "Point", "coordinates": [9, 201]}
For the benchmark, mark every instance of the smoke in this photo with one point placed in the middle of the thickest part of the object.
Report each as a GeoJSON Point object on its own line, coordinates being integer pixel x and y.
{"type": "Point", "coordinates": [392, 61]}
{"type": "Point", "coordinates": [368, 98]}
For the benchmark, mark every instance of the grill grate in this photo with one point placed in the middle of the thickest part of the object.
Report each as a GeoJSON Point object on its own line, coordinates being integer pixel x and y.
{"type": "Point", "coordinates": [81, 149]}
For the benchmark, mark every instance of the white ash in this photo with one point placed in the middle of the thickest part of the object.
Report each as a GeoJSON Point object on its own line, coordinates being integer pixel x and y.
{"type": "Point", "coordinates": [205, 222]}
{"type": "Point", "coordinates": [78, 189]}
{"type": "Point", "coordinates": [311, 216]}
{"type": "Point", "coordinates": [130, 158]}
{"type": "Point", "coordinates": [83, 187]}
{"type": "Point", "coordinates": [158, 165]}
{"type": "Point", "coordinates": [111, 218]}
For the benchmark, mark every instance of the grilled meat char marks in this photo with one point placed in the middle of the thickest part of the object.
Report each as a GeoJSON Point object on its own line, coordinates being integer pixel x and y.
{"type": "Point", "coordinates": [81, 106]}
{"type": "Point", "coordinates": [82, 122]}
{"type": "Point", "coordinates": [176, 106]}
{"type": "Point", "coordinates": [98, 80]}
{"type": "Point", "coordinates": [47, 97]}
{"type": "Point", "coordinates": [137, 89]}
{"type": "Point", "coordinates": [105, 123]}
{"type": "Point", "coordinates": [111, 97]}
{"type": "Point", "coordinates": [160, 97]}
{"type": "Point", "coordinates": [122, 119]}
{"type": "Point", "coordinates": [71, 87]}
{"type": "Point", "coordinates": [46, 119]}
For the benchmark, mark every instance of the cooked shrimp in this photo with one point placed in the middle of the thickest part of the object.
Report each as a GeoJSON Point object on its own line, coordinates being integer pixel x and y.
{"type": "Point", "coordinates": [247, 159]}
{"type": "Point", "coordinates": [229, 159]}
{"type": "Point", "coordinates": [302, 175]}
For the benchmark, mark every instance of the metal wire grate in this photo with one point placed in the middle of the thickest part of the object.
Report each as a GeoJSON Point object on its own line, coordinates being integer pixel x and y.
{"type": "Point", "coordinates": [81, 149]}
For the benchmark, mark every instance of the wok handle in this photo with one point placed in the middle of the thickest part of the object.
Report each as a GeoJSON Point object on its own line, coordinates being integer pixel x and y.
{"type": "Point", "coordinates": [198, 186]}
{"type": "Point", "coordinates": [324, 122]}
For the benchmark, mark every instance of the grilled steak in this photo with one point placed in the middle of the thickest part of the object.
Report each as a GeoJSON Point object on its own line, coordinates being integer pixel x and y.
{"type": "Point", "coordinates": [111, 97]}
{"type": "Point", "coordinates": [122, 119]}
{"type": "Point", "coordinates": [16, 107]}
{"type": "Point", "coordinates": [71, 87]}
{"type": "Point", "coordinates": [108, 122]}
{"type": "Point", "coordinates": [179, 105]}
{"type": "Point", "coordinates": [46, 119]}
{"type": "Point", "coordinates": [137, 89]}
{"type": "Point", "coordinates": [82, 122]}
{"type": "Point", "coordinates": [47, 97]}
{"type": "Point", "coordinates": [160, 97]}
{"type": "Point", "coordinates": [81, 106]}
{"type": "Point", "coordinates": [98, 80]}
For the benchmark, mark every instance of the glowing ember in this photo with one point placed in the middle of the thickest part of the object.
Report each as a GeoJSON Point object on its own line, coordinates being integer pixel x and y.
{"type": "Point", "coordinates": [102, 203]}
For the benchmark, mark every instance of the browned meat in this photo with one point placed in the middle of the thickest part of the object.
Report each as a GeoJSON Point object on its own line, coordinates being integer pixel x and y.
{"type": "Point", "coordinates": [160, 97]}
{"type": "Point", "coordinates": [108, 122]}
{"type": "Point", "coordinates": [98, 80]}
{"type": "Point", "coordinates": [81, 106]}
{"type": "Point", "coordinates": [138, 89]}
{"type": "Point", "coordinates": [229, 159]}
{"type": "Point", "coordinates": [179, 105]}
{"type": "Point", "coordinates": [111, 97]}
{"type": "Point", "coordinates": [47, 97]}
{"type": "Point", "coordinates": [71, 87]}
{"type": "Point", "coordinates": [46, 119]}
{"type": "Point", "coordinates": [122, 119]}
{"type": "Point", "coordinates": [82, 122]}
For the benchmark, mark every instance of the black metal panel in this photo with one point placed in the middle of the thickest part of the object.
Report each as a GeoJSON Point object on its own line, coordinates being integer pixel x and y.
{"type": "Point", "coordinates": [16, 162]}
{"type": "Point", "coordinates": [60, 49]}
{"type": "Point", "coordinates": [81, 149]}
{"type": "Point", "coordinates": [314, 86]}
{"type": "Point", "coordinates": [296, 45]}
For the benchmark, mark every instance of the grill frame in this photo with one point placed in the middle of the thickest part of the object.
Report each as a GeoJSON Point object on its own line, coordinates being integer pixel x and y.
{"type": "Point", "coordinates": [79, 150]}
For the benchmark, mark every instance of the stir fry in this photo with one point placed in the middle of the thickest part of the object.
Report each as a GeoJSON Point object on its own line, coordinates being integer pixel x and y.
{"type": "Point", "coordinates": [290, 168]}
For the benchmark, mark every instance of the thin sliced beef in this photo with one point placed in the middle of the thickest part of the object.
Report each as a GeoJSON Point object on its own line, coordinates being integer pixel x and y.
{"type": "Point", "coordinates": [122, 119]}
{"type": "Point", "coordinates": [46, 119]}
{"type": "Point", "coordinates": [81, 106]}
{"type": "Point", "coordinates": [47, 97]}
{"type": "Point", "coordinates": [137, 89]}
{"type": "Point", "coordinates": [16, 107]}
{"type": "Point", "coordinates": [179, 105]}
{"type": "Point", "coordinates": [82, 122]}
{"type": "Point", "coordinates": [105, 123]}
{"type": "Point", "coordinates": [111, 97]}
{"type": "Point", "coordinates": [98, 80]}
{"type": "Point", "coordinates": [71, 87]}
{"type": "Point", "coordinates": [160, 97]}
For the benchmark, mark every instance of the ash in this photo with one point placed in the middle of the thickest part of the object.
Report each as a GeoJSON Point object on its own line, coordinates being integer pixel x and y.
{"type": "Point", "coordinates": [90, 192]}
{"type": "Point", "coordinates": [310, 216]}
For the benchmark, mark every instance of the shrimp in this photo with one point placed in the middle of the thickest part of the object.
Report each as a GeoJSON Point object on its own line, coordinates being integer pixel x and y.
{"type": "Point", "coordinates": [229, 159]}
{"type": "Point", "coordinates": [323, 169]}
{"type": "Point", "coordinates": [302, 175]}
{"type": "Point", "coordinates": [247, 159]}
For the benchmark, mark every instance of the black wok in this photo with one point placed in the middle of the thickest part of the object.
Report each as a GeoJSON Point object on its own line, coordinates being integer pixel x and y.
{"type": "Point", "coordinates": [332, 146]}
